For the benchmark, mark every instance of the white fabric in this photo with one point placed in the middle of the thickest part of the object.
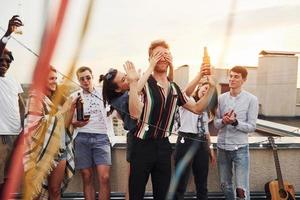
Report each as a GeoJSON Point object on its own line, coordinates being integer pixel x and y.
{"type": "Point", "coordinates": [189, 120]}
{"type": "Point", "coordinates": [110, 131]}
{"type": "Point", "coordinates": [93, 105]}
{"type": "Point", "coordinates": [10, 121]}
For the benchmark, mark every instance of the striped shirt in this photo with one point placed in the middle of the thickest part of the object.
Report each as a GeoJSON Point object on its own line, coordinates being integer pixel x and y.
{"type": "Point", "coordinates": [157, 116]}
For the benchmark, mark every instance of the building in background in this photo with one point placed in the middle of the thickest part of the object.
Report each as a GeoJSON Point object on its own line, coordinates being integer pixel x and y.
{"type": "Point", "coordinates": [273, 81]}
{"type": "Point", "coordinates": [277, 83]}
{"type": "Point", "coordinates": [181, 76]}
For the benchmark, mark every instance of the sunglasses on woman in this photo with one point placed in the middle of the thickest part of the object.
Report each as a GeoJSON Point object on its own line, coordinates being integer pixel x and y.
{"type": "Point", "coordinates": [110, 73]}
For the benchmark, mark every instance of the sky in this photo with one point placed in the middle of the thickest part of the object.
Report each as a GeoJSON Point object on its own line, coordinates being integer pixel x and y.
{"type": "Point", "coordinates": [122, 30]}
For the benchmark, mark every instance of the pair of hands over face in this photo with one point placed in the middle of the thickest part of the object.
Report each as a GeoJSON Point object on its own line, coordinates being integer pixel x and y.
{"type": "Point", "coordinates": [159, 55]}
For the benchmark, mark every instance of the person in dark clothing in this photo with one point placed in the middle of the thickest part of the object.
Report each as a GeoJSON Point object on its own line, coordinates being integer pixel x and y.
{"type": "Point", "coordinates": [121, 91]}
{"type": "Point", "coordinates": [151, 149]}
{"type": "Point", "coordinates": [194, 138]}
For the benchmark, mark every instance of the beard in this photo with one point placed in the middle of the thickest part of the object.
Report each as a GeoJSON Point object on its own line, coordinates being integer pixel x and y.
{"type": "Point", "coordinates": [161, 67]}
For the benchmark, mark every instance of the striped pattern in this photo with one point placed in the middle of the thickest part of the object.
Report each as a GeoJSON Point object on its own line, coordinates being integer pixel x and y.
{"type": "Point", "coordinates": [43, 134]}
{"type": "Point", "coordinates": [157, 118]}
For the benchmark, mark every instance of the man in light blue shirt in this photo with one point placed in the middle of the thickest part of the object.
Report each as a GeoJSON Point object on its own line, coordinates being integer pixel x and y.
{"type": "Point", "coordinates": [236, 117]}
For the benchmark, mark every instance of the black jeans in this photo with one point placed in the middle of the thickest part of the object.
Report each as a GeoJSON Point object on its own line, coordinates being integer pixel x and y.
{"type": "Point", "coordinates": [199, 164]}
{"type": "Point", "coordinates": [150, 157]}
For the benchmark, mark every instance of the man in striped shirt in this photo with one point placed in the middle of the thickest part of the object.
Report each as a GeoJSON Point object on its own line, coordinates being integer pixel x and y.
{"type": "Point", "coordinates": [151, 149]}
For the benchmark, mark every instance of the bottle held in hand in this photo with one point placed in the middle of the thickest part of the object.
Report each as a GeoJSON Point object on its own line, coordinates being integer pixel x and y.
{"type": "Point", "coordinates": [79, 108]}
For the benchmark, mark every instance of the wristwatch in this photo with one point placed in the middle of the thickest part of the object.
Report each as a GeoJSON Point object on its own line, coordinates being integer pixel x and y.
{"type": "Point", "coordinates": [5, 39]}
{"type": "Point", "coordinates": [235, 123]}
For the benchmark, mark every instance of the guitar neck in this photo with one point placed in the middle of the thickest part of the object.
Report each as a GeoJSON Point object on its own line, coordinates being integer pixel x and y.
{"type": "Point", "coordinates": [278, 170]}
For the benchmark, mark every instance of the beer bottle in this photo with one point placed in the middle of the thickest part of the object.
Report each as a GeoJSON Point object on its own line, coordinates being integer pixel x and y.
{"type": "Point", "coordinates": [206, 59]}
{"type": "Point", "coordinates": [79, 108]}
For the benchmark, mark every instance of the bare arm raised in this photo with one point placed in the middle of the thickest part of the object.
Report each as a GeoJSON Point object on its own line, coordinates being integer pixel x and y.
{"type": "Point", "coordinates": [152, 63]}
{"type": "Point", "coordinates": [135, 106]}
{"type": "Point", "coordinates": [13, 23]}
{"type": "Point", "coordinates": [189, 89]}
{"type": "Point", "coordinates": [202, 104]}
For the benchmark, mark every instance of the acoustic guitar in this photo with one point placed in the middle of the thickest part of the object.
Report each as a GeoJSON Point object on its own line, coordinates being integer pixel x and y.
{"type": "Point", "coordinates": [278, 189]}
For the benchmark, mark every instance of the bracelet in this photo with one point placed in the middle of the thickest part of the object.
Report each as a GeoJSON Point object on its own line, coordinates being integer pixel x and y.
{"type": "Point", "coordinates": [235, 123]}
{"type": "Point", "coordinates": [5, 39]}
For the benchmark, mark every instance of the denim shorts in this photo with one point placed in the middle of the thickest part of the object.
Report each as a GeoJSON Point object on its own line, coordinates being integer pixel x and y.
{"type": "Point", "coordinates": [91, 149]}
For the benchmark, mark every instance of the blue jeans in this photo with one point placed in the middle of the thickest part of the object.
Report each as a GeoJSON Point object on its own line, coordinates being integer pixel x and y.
{"type": "Point", "coordinates": [236, 162]}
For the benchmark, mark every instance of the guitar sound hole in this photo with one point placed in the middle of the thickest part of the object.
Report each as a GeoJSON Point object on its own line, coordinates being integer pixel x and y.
{"type": "Point", "coordinates": [283, 194]}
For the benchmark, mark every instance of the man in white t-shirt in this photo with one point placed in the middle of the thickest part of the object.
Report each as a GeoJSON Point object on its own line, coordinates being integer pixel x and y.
{"type": "Point", "coordinates": [12, 105]}
{"type": "Point", "coordinates": [92, 145]}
